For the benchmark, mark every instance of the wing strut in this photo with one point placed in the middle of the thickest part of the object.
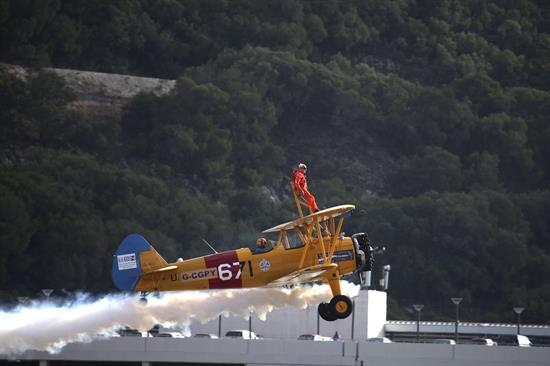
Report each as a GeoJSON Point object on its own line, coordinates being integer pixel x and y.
{"type": "Point", "coordinates": [335, 234]}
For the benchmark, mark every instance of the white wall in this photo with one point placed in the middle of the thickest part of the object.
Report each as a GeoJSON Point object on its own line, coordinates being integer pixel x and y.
{"type": "Point", "coordinates": [368, 317]}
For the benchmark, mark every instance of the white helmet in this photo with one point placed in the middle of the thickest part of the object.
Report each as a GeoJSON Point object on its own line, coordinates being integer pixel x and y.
{"type": "Point", "coordinates": [302, 166]}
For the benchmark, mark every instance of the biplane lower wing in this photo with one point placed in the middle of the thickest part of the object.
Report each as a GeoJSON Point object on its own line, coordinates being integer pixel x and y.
{"type": "Point", "coordinates": [309, 274]}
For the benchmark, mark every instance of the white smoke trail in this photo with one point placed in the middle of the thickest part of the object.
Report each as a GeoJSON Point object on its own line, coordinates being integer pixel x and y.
{"type": "Point", "coordinates": [46, 326]}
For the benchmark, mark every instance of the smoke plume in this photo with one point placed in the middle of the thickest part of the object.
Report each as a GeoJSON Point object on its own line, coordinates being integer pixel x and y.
{"type": "Point", "coordinates": [44, 325]}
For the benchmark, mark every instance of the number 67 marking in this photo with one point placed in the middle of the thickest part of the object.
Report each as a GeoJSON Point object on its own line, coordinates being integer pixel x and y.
{"type": "Point", "coordinates": [225, 273]}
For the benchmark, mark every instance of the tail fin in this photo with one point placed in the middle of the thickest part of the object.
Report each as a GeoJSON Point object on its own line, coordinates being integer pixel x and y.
{"type": "Point", "coordinates": [133, 256]}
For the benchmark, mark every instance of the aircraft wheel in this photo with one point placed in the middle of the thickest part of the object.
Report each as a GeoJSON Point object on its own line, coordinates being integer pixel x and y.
{"type": "Point", "coordinates": [341, 306]}
{"type": "Point", "coordinates": [143, 301]}
{"type": "Point", "coordinates": [325, 313]}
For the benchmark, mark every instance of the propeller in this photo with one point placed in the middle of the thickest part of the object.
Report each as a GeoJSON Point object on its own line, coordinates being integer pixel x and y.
{"type": "Point", "coordinates": [365, 257]}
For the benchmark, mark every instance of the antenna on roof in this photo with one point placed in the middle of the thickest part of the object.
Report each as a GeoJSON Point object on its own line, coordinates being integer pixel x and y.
{"type": "Point", "coordinates": [211, 247]}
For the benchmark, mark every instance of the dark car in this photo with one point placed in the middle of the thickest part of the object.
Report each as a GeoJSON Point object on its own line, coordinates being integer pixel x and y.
{"type": "Point", "coordinates": [129, 332]}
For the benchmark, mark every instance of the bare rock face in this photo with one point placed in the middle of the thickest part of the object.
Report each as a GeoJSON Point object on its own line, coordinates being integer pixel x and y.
{"type": "Point", "coordinates": [88, 84]}
{"type": "Point", "coordinates": [98, 92]}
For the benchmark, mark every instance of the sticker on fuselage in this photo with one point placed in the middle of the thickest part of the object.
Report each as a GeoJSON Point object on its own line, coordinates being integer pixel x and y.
{"type": "Point", "coordinates": [126, 261]}
{"type": "Point", "coordinates": [265, 265]}
{"type": "Point", "coordinates": [338, 256]}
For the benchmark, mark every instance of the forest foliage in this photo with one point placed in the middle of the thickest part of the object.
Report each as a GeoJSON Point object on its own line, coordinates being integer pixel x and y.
{"type": "Point", "coordinates": [433, 120]}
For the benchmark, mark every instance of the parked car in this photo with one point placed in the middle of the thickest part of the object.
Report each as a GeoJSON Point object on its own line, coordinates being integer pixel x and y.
{"type": "Point", "coordinates": [155, 329]}
{"type": "Point", "coordinates": [241, 333]}
{"type": "Point", "coordinates": [159, 328]}
{"type": "Point", "coordinates": [205, 335]}
{"type": "Point", "coordinates": [523, 341]}
{"type": "Point", "coordinates": [514, 340]}
{"type": "Point", "coordinates": [379, 340]}
{"type": "Point", "coordinates": [106, 335]}
{"type": "Point", "coordinates": [170, 335]}
{"type": "Point", "coordinates": [484, 341]}
{"type": "Point", "coordinates": [313, 337]}
{"type": "Point", "coordinates": [444, 341]}
{"type": "Point", "coordinates": [129, 332]}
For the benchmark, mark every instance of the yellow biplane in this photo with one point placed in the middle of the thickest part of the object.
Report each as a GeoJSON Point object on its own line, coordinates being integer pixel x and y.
{"type": "Point", "coordinates": [310, 248]}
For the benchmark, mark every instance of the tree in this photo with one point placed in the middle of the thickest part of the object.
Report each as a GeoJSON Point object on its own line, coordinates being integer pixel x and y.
{"type": "Point", "coordinates": [507, 137]}
{"type": "Point", "coordinates": [433, 169]}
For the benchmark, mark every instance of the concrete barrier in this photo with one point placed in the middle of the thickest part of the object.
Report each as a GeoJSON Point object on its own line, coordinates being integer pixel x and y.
{"type": "Point", "coordinates": [424, 354]}
{"type": "Point", "coordinates": [290, 352]}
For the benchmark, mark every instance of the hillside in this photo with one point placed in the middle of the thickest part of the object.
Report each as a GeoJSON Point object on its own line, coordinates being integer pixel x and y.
{"type": "Point", "coordinates": [433, 120]}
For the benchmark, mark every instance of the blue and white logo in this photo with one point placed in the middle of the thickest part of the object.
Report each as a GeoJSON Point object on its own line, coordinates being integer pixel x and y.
{"type": "Point", "coordinates": [265, 265]}
{"type": "Point", "coordinates": [126, 261]}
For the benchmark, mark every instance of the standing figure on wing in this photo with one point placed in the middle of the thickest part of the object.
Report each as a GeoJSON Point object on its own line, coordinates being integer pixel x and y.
{"type": "Point", "coordinates": [299, 183]}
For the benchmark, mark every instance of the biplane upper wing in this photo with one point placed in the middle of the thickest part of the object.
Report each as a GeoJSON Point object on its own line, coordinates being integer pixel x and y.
{"type": "Point", "coordinates": [314, 217]}
{"type": "Point", "coordinates": [308, 274]}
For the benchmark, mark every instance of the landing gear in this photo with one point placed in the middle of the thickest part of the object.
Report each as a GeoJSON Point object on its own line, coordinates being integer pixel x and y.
{"type": "Point", "coordinates": [325, 313]}
{"type": "Point", "coordinates": [340, 307]}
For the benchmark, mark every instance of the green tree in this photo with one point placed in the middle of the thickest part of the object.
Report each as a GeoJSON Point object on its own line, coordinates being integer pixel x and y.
{"type": "Point", "coordinates": [507, 137]}
{"type": "Point", "coordinates": [433, 169]}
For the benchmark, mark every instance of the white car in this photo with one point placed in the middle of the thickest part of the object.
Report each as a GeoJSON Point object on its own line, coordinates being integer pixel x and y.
{"type": "Point", "coordinates": [241, 333]}
{"type": "Point", "coordinates": [484, 341]}
{"type": "Point", "coordinates": [379, 340]}
{"type": "Point", "coordinates": [523, 341]}
{"type": "Point", "coordinates": [444, 341]}
{"type": "Point", "coordinates": [314, 337]}
{"type": "Point", "coordinates": [170, 335]}
{"type": "Point", "coordinates": [516, 340]}
{"type": "Point", "coordinates": [205, 335]}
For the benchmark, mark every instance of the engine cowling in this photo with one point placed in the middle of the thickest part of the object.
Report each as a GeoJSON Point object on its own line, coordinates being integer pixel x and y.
{"type": "Point", "coordinates": [365, 252]}
{"type": "Point", "coordinates": [361, 243]}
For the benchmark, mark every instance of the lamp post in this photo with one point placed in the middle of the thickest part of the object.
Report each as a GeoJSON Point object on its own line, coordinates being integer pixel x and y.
{"type": "Point", "coordinates": [456, 301]}
{"type": "Point", "coordinates": [319, 323]}
{"type": "Point", "coordinates": [249, 323]}
{"type": "Point", "coordinates": [47, 292]}
{"type": "Point", "coordinates": [418, 308]}
{"type": "Point", "coordinates": [518, 310]}
{"type": "Point", "coordinates": [387, 269]}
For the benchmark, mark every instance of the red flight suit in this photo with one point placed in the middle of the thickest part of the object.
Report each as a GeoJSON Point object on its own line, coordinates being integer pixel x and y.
{"type": "Point", "coordinates": [300, 185]}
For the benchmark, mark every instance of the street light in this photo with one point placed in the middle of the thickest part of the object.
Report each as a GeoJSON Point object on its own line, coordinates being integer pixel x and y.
{"type": "Point", "coordinates": [249, 323]}
{"type": "Point", "coordinates": [518, 310]}
{"type": "Point", "coordinates": [387, 269]}
{"type": "Point", "coordinates": [47, 292]}
{"type": "Point", "coordinates": [418, 308]}
{"type": "Point", "coordinates": [319, 322]}
{"type": "Point", "coordinates": [456, 301]}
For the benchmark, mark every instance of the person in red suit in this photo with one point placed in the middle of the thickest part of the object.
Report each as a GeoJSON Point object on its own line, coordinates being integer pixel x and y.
{"type": "Point", "coordinates": [300, 185]}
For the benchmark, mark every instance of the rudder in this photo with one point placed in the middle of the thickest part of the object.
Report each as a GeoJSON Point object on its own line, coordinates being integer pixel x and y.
{"type": "Point", "coordinates": [128, 262]}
